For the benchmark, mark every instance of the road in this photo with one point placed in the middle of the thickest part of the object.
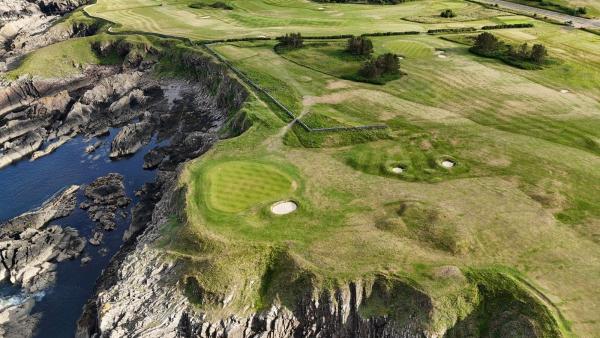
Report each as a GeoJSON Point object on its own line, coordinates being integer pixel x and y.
{"type": "Point", "coordinates": [577, 21]}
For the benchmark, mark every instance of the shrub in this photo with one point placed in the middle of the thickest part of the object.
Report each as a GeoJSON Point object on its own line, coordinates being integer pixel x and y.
{"type": "Point", "coordinates": [217, 5]}
{"type": "Point", "coordinates": [538, 54]}
{"type": "Point", "coordinates": [448, 13]}
{"type": "Point", "coordinates": [452, 30]}
{"type": "Point", "coordinates": [292, 41]}
{"type": "Point", "coordinates": [359, 45]}
{"type": "Point", "coordinates": [486, 44]}
{"type": "Point", "coordinates": [384, 65]}
{"type": "Point", "coordinates": [515, 25]}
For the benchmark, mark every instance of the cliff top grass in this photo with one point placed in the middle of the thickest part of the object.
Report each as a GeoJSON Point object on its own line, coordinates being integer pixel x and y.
{"type": "Point", "coordinates": [520, 195]}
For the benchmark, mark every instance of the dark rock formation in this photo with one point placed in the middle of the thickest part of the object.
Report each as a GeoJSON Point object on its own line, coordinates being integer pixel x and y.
{"type": "Point", "coordinates": [104, 197]}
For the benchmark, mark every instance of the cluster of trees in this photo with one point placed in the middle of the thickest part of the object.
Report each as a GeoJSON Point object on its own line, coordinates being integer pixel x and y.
{"type": "Point", "coordinates": [487, 44]}
{"type": "Point", "coordinates": [448, 13]}
{"type": "Point", "coordinates": [291, 41]}
{"type": "Point", "coordinates": [359, 45]}
{"type": "Point", "coordinates": [387, 64]}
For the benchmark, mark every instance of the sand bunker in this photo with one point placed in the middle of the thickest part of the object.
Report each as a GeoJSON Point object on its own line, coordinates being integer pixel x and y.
{"type": "Point", "coordinates": [398, 170]}
{"type": "Point", "coordinates": [284, 207]}
{"type": "Point", "coordinates": [441, 54]}
{"type": "Point", "coordinates": [448, 164]}
{"type": "Point", "coordinates": [564, 91]}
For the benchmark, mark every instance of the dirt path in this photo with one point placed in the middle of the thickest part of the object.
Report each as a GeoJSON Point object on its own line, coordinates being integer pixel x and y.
{"type": "Point", "coordinates": [578, 22]}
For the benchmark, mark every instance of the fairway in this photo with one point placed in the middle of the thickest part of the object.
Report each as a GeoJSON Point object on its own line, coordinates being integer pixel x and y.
{"type": "Point", "coordinates": [252, 18]}
{"type": "Point", "coordinates": [236, 186]}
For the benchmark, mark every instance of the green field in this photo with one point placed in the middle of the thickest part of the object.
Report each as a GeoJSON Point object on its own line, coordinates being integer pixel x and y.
{"type": "Point", "coordinates": [276, 17]}
{"type": "Point", "coordinates": [518, 214]}
{"type": "Point", "coordinates": [235, 186]}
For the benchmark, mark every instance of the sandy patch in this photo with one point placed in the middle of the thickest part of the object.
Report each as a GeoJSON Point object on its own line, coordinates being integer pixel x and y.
{"type": "Point", "coordinates": [284, 207]}
{"type": "Point", "coordinates": [448, 164]}
{"type": "Point", "coordinates": [397, 170]}
{"type": "Point", "coordinates": [564, 91]}
{"type": "Point", "coordinates": [339, 84]}
{"type": "Point", "coordinates": [205, 17]}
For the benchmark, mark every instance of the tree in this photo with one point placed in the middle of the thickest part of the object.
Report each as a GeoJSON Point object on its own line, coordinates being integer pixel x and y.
{"type": "Point", "coordinates": [448, 13]}
{"type": "Point", "coordinates": [538, 53]}
{"type": "Point", "coordinates": [581, 11]}
{"type": "Point", "coordinates": [292, 40]}
{"type": "Point", "coordinates": [523, 52]}
{"type": "Point", "coordinates": [370, 70]}
{"type": "Point", "coordinates": [359, 45]}
{"type": "Point", "coordinates": [486, 44]}
{"type": "Point", "coordinates": [388, 63]}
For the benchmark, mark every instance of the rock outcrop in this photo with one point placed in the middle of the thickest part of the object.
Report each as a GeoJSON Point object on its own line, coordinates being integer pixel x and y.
{"type": "Point", "coordinates": [105, 197]}
{"type": "Point", "coordinates": [26, 25]}
{"type": "Point", "coordinates": [29, 249]}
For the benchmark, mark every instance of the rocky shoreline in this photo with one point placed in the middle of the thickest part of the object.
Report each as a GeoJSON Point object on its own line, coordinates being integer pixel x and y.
{"type": "Point", "coordinates": [30, 250]}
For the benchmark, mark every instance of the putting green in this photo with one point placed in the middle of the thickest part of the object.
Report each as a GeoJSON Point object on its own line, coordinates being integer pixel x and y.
{"type": "Point", "coordinates": [236, 186]}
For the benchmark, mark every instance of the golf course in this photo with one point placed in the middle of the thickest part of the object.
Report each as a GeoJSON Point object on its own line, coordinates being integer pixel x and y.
{"type": "Point", "coordinates": [474, 179]}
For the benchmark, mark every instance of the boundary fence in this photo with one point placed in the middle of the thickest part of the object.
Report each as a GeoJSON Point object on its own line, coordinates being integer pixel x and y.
{"type": "Point", "coordinates": [288, 112]}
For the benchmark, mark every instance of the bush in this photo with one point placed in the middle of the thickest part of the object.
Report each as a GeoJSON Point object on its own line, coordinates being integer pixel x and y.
{"type": "Point", "coordinates": [448, 13]}
{"type": "Point", "coordinates": [359, 45]}
{"type": "Point", "coordinates": [217, 5]}
{"type": "Point", "coordinates": [292, 41]}
{"type": "Point", "coordinates": [383, 66]}
{"type": "Point", "coordinates": [452, 30]}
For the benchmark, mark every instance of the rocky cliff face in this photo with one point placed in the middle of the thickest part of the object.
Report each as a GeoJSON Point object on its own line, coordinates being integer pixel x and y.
{"type": "Point", "coordinates": [141, 295]}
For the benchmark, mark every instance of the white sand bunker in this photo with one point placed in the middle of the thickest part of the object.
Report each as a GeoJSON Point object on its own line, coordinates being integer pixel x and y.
{"type": "Point", "coordinates": [441, 54]}
{"type": "Point", "coordinates": [448, 164]}
{"type": "Point", "coordinates": [284, 207]}
{"type": "Point", "coordinates": [398, 170]}
{"type": "Point", "coordinates": [564, 91]}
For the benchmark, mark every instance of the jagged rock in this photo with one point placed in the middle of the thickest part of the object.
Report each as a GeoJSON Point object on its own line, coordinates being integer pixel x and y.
{"type": "Point", "coordinates": [130, 139]}
{"type": "Point", "coordinates": [16, 320]}
{"type": "Point", "coordinates": [58, 206]}
{"type": "Point", "coordinates": [97, 238]}
{"type": "Point", "coordinates": [104, 196]}
{"type": "Point", "coordinates": [29, 251]}
{"type": "Point", "coordinates": [86, 260]}
{"type": "Point", "coordinates": [31, 142]}
{"type": "Point", "coordinates": [92, 147]}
